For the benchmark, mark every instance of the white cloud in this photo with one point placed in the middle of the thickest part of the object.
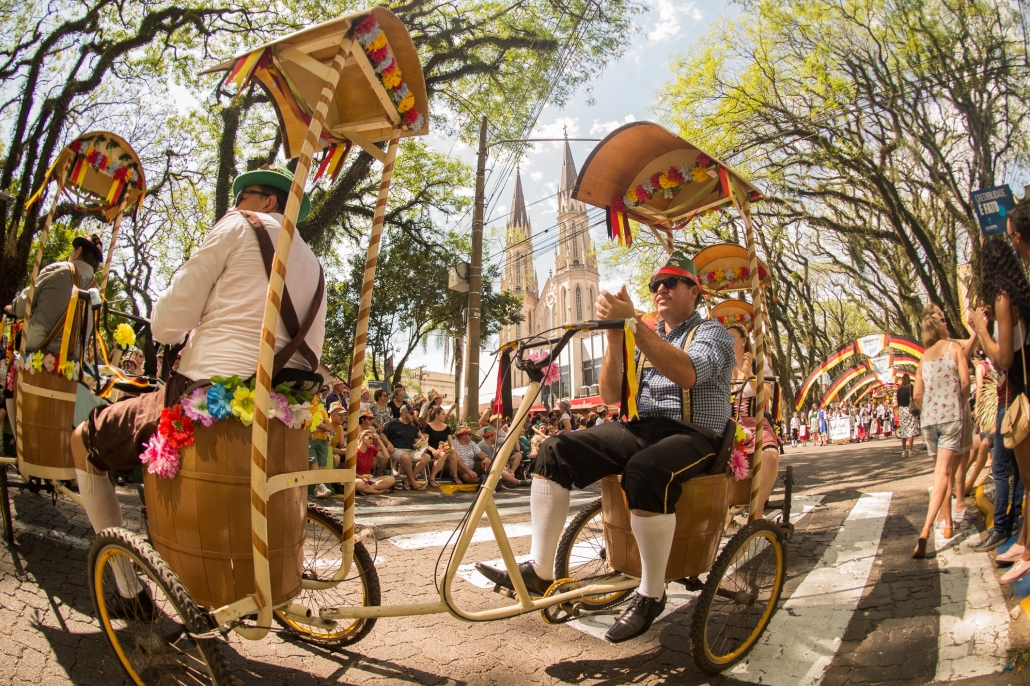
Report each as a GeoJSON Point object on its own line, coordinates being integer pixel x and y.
{"type": "Point", "coordinates": [558, 128]}
{"type": "Point", "coordinates": [670, 12]}
{"type": "Point", "coordinates": [602, 128]}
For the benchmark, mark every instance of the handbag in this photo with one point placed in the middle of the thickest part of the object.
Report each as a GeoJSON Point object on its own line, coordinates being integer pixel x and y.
{"type": "Point", "coordinates": [1015, 425]}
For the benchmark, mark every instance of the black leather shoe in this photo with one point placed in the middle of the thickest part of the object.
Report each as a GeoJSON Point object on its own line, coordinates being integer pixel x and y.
{"type": "Point", "coordinates": [993, 540]}
{"type": "Point", "coordinates": [637, 618]}
{"type": "Point", "coordinates": [535, 585]}
{"type": "Point", "coordinates": [139, 609]}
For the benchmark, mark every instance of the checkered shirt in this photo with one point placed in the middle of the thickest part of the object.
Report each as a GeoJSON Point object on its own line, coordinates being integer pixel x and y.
{"type": "Point", "coordinates": [711, 351]}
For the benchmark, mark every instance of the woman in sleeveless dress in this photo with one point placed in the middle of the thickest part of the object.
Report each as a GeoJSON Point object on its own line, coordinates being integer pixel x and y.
{"type": "Point", "coordinates": [1006, 291]}
{"type": "Point", "coordinates": [941, 390]}
{"type": "Point", "coordinates": [909, 422]}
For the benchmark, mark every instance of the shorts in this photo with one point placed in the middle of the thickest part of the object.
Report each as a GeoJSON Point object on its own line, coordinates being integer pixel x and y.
{"type": "Point", "coordinates": [318, 452]}
{"type": "Point", "coordinates": [114, 435]}
{"type": "Point", "coordinates": [946, 436]}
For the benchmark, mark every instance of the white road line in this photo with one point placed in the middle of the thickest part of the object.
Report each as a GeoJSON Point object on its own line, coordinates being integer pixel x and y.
{"type": "Point", "coordinates": [974, 624]}
{"type": "Point", "coordinates": [805, 634]}
{"type": "Point", "coordinates": [598, 625]}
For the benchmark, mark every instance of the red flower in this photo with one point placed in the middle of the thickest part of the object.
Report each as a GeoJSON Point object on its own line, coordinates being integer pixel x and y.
{"type": "Point", "coordinates": [674, 175]}
{"type": "Point", "coordinates": [380, 54]}
{"type": "Point", "coordinates": [76, 145]}
{"type": "Point", "coordinates": [762, 273]}
{"type": "Point", "coordinates": [93, 155]}
{"type": "Point", "coordinates": [618, 204]}
{"type": "Point", "coordinates": [745, 272]}
{"type": "Point", "coordinates": [121, 174]}
{"type": "Point", "coordinates": [703, 159]}
{"type": "Point", "coordinates": [411, 116]}
{"type": "Point", "coordinates": [365, 25]}
{"type": "Point", "coordinates": [102, 162]}
{"type": "Point", "coordinates": [176, 427]}
{"type": "Point", "coordinates": [643, 194]}
{"type": "Point", "coordinates": [391, 68]}
{"type": "Point", "coordinates": [656, 180]}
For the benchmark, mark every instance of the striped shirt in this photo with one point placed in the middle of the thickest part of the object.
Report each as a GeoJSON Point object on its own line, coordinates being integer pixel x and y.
{"type": "Point", "coordinates": [711, 351]}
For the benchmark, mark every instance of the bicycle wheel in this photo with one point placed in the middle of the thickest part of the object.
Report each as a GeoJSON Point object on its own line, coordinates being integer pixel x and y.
{"type": "Point", "coordinates": [322, 559]}
{"type": "Point", "coordinates": [157, 645]}
{"type": "Point", "coordinates": [582, 557]}
{"type": "Point", "coordinates": [739, 597]}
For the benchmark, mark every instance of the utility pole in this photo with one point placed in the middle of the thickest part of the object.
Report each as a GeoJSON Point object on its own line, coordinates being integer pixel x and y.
{"type": "Point", "coordinates": [476, 283]}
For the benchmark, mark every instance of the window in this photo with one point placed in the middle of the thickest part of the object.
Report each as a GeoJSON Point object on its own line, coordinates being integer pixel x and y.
{"type": "Point", "coordinates": [591, 302]}
{"type": "Point", "coordinates": [547, 318]}
{"type": "Point", "coordinates": [564, 306]}
{"type": "Point", "coordinates": [518, 330]}
{"type": "Point", "coordinates": [518, 269]}
{"type": "Point", "coordinates": [579, 305]}
{"type": "Point", "coordinates": [529, 323]}
{"type": "Point", "coordinates": [575, 246]}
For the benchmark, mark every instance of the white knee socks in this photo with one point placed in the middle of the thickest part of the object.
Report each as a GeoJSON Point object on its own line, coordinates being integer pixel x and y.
{"type": "Point", "coordinates": [104, 511]}
{"type": "Point", "coordinates": [549, 508]}
{"type": "Point", "coordinates": [654, 540]}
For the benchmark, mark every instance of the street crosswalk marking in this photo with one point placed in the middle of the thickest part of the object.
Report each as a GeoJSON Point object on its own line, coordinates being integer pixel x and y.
{"type": "Point", "coordinates": [805, 633]}
{"type": "Point", "coordinates": [974, 624]}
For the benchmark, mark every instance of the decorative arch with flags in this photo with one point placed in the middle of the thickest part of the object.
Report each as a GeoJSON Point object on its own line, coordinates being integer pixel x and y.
{"type": "Point", "coordinates": [884, 370]}
{"type": "Point", "coordinates": [869, 346]}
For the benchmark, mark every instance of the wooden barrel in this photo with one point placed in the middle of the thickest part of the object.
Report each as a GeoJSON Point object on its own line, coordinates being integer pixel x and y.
{"type": "Point", "coordinates": [700, 520]}
{"type": "Point", "coordinates": [47, 420]}
{"type": "Point", "coordinates": [200, 521]}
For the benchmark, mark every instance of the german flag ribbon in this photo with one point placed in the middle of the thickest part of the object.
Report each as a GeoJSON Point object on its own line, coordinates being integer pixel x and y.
{"type": "Point", "coordinates": [629, 379]}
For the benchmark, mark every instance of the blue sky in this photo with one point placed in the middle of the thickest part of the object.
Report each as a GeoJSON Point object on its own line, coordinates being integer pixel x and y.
{"type": "Point", "coordinates": [624, 92]}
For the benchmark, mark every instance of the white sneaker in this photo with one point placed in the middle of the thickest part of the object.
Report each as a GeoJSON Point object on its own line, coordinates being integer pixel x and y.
{"type": "Point", "coordinates": [322, 492]}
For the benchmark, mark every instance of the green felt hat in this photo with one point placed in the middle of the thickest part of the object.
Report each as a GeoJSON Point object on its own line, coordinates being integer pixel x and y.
{"type": "Point", "coordinates": [276, 178]}
{"type": "Point", "coordinates": [679, 265]}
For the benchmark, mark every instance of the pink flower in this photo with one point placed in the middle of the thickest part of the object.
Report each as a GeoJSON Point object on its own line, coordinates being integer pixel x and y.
{"type": "Point", "coordinates": [551, 371]}
{"type": "Point", "coordinates": [161, 458]}
{"type": "Point", "coordinates": [10, 376]}
{"type": "Point", "coordinates": [195, 407]}
{"type": "Point", "coordinates": [279, 408]}
{"type": "Point", "coordinates": [738, 464]}
{"type": "Point", "coordinates": [49, 362]}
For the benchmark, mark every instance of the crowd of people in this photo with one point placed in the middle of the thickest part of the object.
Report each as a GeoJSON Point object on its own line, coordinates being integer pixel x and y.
{"type": "Point", "coordinates": [870, 419]}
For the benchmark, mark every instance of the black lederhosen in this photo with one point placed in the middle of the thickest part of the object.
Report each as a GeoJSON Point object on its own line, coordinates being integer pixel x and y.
{"type": "Point", "coordinates": [654, 455]}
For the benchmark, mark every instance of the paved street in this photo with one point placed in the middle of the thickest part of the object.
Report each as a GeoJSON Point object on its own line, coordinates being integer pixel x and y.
{"type": "Point", "coordinates": [856, 608]}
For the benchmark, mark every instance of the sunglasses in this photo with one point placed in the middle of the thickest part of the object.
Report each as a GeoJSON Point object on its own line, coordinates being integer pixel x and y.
{"type": "Point", "coordinates": [669, 282]}
{"type": "Point", "coordinates": [245, 191]}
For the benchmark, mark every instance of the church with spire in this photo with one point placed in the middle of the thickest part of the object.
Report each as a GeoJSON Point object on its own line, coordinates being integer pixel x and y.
{"type": "Point", "coordinates": [568, 294]}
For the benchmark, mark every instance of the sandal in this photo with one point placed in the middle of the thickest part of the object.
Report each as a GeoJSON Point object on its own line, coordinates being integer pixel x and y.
{"type": "Point", "coordinates": [404, 486]}
{"type": "Point", "coordinates": [417, 487]}
{"type": "Point", "coordinates": [432, 483]}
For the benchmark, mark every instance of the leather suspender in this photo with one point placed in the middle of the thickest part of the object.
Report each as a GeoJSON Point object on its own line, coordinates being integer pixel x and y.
{"type": "Point", "coordinates": [294, 327]}
{"type": "Point", "coordinates": [685, 399]}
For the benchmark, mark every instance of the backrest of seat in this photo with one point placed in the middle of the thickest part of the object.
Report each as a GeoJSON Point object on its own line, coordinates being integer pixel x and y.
{"type": "Point", "coordinates": [722, 457]}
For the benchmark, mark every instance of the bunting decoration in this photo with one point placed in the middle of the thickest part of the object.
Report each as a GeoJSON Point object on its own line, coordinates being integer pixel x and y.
{"type": "Point", "coordinates": [332, 162]}
{"type": "Point", "coordinates": [245, 68]}
{"type": "Point", "coordinates": [618, 226]}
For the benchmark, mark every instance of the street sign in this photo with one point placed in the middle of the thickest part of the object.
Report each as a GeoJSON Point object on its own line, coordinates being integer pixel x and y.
{"type": "Point", "coordinates": [992, 206]}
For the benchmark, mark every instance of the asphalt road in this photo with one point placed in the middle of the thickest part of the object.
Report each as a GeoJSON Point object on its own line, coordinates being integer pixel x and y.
{"type": "Point", "coordinates": [856, 608]}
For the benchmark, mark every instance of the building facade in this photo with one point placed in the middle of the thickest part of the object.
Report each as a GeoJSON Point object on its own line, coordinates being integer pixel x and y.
{"type": "Point", "coordinates": [568, 295]}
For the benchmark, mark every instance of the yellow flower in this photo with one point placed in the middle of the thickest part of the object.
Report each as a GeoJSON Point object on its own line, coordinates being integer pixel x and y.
{"type": "Point", "coordinates": [664, 181]}
{"type": "Point", "coordinates": [37, 360]}
{"type": "Point", "coordinates": [243, 405]}
{"type": "Point", "coordinates": [124, 335]}
{"type": "Point", "coordinates": [632, 195]}
{"type": "Point", "coordinates": [719, 275]}
{"type": "Point", "coordinates": [406, 104]}
{"type": "Point", "coordinates": [390, 81]}
{"type": "Point", "coordinates": [739, 436]}
{"type": "Point", "coordinates": [699, 173]}
{"type": "Point", "coordinates": [379, 42]}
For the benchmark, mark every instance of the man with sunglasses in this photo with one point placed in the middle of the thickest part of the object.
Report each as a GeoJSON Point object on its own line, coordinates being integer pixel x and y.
{"type": "Point", "coordinates": [684, 404]}
{"type": "Point", "coordinates": [217, 298]}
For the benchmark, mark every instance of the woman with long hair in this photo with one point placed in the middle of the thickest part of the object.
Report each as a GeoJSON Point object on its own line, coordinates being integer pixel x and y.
{"type": "Point", "coordinates": [941, 390]}
{"type": "Point", "coordinates": [1006, 295]}
{"type": "Point", "coordinates": [909, 420]}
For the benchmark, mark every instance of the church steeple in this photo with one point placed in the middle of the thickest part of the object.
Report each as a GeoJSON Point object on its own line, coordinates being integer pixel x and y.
{"type": "Point", "coordinates": [518, 217]}
{"type": "Point", "coordinates": [574, 248]}
{"type": "Point", "coordinates": [519, 276]}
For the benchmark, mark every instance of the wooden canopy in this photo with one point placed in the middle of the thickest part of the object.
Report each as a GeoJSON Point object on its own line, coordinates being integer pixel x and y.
{"type": "Point", "coordinates": [381, 88]}
{"type": "Point", "coordinates": [725, 268]}
{"type": "Point", "coordinates": [731, 312]}
{"type": "Point", "coordinates": [663, 179]}
{"type": "Point", "coordinates": [104, 174]}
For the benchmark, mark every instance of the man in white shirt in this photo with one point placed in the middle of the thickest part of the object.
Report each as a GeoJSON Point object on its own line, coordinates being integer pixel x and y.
{"type": "Point", "coordinates": [218, 298]}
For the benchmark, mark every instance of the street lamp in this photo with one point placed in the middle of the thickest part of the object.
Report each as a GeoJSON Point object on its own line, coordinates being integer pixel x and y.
{"type": "Point", "coordinates": [475, 277]}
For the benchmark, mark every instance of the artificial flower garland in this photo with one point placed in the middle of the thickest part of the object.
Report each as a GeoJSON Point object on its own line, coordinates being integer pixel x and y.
{"type": "Point", "coordinates": [719, 278]}
{"type": "Point", "coordinates": [667, 183]}
{"type": "Point", "coordinates": [738, 458]}
{"type": "Point", "coordinates": [40, 361]}
{"type": "Point", "coordinates": [224, 398]}
{"type": "Point", "coordinates": [372, 39]}
{"type": "Point", "coordinates": [728, 320]}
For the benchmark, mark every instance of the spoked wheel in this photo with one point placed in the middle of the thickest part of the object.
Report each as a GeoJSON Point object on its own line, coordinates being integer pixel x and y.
{"type": "Point", "coordinates": [5, 506]}
{"type": "Point", "coordinates": [582, 557]}
{"type": "Point", "coordinates": [739, 597]}
{"type": "Point", "coordinates": [322, 559]}
{"type": "Point", "coordinates": [160, 636]}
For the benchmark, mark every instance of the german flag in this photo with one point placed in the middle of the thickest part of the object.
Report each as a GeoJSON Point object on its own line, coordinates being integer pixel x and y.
{"type": "Point", "coordinates": [617, 224]}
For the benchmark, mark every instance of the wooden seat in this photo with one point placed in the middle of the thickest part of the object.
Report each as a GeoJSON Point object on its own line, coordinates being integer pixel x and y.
{"type": "Point", "coordinates": [200, 520]}
{"type": "Point", "coordinates": [700, 520]}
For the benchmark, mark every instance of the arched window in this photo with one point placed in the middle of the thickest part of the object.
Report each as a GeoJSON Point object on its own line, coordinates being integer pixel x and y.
{"type": "Point", "coordinates": [529, 323]}
{"type": "Point", "coordinates": [579, 305]}
{"type": "Point", "coordinates": [591, 302]}
{"type": "Point", "coordinates": [547, 318]}
{"type": "Point", "coordinates": [518, 330]}
{"type": "Point", "coordinates": [575, 246]}
{"type": "Point", "coordinates": [518, 269]}
{"type": "Point", "coordinates": [564, 305]}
